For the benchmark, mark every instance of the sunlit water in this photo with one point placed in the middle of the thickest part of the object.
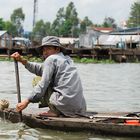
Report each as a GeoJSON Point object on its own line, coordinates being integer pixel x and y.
{"type": "Point", "coordinates": [107, 87]}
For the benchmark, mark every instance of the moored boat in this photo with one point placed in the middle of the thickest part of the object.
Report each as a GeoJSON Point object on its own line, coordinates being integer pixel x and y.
{"type": "Point", "coordinates": [103, 123]}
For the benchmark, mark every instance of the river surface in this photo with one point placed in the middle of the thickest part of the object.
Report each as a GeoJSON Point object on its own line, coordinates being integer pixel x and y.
{"type": "Point", "coordinates": [107, 88]}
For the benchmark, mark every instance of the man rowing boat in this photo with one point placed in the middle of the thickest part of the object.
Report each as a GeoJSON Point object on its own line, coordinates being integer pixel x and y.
{"type": "Point", "coordinates": [60, 86]}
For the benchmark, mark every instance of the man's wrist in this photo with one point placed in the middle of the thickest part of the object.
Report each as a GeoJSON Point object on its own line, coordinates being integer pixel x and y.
{"type": "Point", "coordinates": [24, 61]}
{"type": "Point", "coordinates": [26, 101]}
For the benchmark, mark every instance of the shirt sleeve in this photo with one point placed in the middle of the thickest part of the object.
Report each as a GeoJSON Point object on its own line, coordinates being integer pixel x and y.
{"type": "Point", "coordinates": [34, 68]}
{"type": "Point", "coordinates": [41, 88]}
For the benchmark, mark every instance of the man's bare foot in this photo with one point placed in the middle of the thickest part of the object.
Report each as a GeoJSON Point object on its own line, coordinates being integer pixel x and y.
{"type": "Point", "coordinates": [48, 114]}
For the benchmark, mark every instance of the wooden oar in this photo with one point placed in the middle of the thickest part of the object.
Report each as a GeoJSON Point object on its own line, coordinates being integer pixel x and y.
{"type": "Point", "coordinates": [18, 86]}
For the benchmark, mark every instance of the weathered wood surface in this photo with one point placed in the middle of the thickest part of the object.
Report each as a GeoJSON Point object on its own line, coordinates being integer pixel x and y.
{"type": "Point", "coordinates": [104, 123]}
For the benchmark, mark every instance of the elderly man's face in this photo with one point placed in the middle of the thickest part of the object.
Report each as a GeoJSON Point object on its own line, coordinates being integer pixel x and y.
{"type": "Point", "coordinates": [49, 50]}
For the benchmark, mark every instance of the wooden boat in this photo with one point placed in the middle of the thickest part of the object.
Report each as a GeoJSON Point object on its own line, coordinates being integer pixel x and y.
{"type": "Point", "coordinates": [101, 123]}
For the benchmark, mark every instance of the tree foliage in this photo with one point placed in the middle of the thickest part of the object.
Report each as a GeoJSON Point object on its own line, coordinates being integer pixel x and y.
{"type": "Point", "coordinates": [17, 18]}
{"type": "Point", "coordinates": [109, 22]}
{"type": "Point", "coordinates": [58, 23]}
{"type": "Point", "coordinates": [40, 30]}
{"type": "Point", "coordinates": [134, 18]}
{"type": "Point", "coordinates": [11, 28]}
{"type": "Point", "coordinates": [71, 14]}
{"type": "Point", "coordinates": [2, 24]}
{"type": "Point", "coordinates": [8, 26]}
{"type": "Point", "coordinates": [84, 24]}
{"type": "Point", "coordinates": [66, 22]}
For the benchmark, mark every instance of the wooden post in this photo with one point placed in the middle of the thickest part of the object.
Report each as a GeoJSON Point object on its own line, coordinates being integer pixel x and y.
{"type": "Point", "coordinates": [110, 54]}
{"type": "Point", "coordinates": [131, 42]}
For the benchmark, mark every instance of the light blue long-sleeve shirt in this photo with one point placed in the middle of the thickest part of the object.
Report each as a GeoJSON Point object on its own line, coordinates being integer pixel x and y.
{"type": "Point", "coordinates": [67, 94]}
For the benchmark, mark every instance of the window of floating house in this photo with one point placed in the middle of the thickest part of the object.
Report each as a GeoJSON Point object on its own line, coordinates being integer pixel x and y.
{"type": "Point", "coordinates": [121, 45]}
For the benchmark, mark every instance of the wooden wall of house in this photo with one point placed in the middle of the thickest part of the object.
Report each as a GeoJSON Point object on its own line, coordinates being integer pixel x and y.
{"type": "Point", "coordinates": [5, 41]}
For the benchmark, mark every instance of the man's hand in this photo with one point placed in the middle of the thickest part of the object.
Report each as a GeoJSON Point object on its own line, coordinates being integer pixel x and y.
{"type": "Point", "coordinates": [18, 57]}
{"type": "Point", "coordinates": [22, 105]}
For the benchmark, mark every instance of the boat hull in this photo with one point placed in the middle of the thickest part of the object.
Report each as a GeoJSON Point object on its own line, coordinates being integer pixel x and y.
{"type": "Point", "coordinates": [100, 123]}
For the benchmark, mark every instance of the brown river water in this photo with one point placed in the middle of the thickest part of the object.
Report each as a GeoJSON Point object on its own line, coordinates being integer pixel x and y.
{"type": "Point", "coordinates": [107, 88]}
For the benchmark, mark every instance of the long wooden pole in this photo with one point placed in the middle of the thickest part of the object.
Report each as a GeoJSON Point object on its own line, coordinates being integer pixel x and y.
{"type": "Point", "coordinates": [18, 86]}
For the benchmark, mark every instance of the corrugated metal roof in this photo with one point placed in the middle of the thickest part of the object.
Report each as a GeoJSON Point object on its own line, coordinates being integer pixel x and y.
{"type": "Point", "coordinates": [127, 31]}
{"type": "Point", "coordinates": [114, 39]}
{"type": "Point", "coordinates": [2, 32]}
{"type": "Point", "coordinates": [64, 40]}
{"type": "Point", "coordinates": [20, 39]}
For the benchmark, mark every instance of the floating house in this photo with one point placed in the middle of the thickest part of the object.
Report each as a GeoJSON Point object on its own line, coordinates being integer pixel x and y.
{"type": "Point", "coordinates": [118, 41]}
{"type": "Point", "coordinates": [90, 38]}
{"type": "Point", "coordinates": [21, 42]}
{"type": "Point", "coordinates": [106, 38]}
{"type": "Point", "coordinates": [69, 42]}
